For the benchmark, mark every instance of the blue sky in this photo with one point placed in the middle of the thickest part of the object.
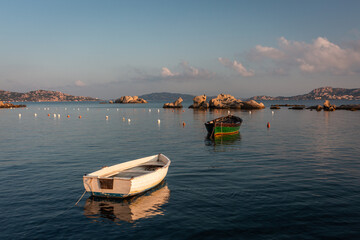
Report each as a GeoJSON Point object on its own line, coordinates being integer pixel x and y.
{"type": "Point", "coordinates": [108, 49]}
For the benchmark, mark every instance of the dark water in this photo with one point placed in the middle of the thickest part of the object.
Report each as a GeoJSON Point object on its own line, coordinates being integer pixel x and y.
{"type": "Point", "coordinates": [300, 179]}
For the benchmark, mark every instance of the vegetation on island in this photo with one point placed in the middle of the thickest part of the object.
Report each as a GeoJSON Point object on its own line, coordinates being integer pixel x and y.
{"type": "Point", "coordinates": [41, 96]}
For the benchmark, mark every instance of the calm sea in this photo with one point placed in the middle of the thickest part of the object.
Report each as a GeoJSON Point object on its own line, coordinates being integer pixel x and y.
{"type": "Point", "coordinates": [300, 179]}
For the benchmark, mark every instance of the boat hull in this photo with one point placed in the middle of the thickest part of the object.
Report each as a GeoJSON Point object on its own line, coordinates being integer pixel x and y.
{"type": "Point", "coordinates": [223, 126]}
{"type": "Point", "coordinates": [226, 130]}
{"type": "Point", "coordinates": [99, 184]}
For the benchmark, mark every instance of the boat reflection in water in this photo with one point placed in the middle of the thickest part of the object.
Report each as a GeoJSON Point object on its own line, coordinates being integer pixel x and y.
{"type": "Point", "coordinates": [131, 209]}
{"type": "Point", "coordinates": [223, 140]}
{"type": "Point", "coordinates": [224, 143]}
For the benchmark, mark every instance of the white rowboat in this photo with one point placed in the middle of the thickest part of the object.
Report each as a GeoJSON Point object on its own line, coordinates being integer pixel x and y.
{"type": "Point", "coordinates": [129, 178]}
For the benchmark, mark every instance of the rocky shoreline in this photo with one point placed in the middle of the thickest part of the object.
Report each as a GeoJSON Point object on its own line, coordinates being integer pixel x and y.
{"type": "Point", "coordinates": [327, 106]}
{"type": "Point", "coordinates": [130, 100]}
{"type": "Point", "coordinates": [10, 105]}
{"type": "Point", "coordinates": [176, 104]}
{"type": "Point", "coordinates": [224, 101]}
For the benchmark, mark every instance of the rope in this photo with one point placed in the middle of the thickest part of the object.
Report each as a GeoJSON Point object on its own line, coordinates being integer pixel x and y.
{"type": "Point", "coordinates": [80, 198]}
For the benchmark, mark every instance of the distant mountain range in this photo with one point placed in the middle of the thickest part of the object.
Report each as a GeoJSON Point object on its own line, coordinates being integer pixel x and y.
{"type": "Point", "coordinates": [323, 93]}
{"type": "Point", "coordinates": [166, 97]}
{"type": "Point", "coordinates": [41, 96]}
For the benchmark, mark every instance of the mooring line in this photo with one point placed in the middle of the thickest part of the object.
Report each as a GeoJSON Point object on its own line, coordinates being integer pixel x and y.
{"type": "Point", "coordinates": [80, 198]}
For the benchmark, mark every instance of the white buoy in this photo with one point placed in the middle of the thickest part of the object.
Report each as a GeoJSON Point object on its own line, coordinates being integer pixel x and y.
{"type": "Point", "coordinates": [58, 115]}
{"type": "Point", "coordinates": [249, 112]}
{"type": "Point", "coordinates": [44, 108]}
{"type": "Point", "coordinates": [158, 121]}
{"type": "Point", "coordinates": [78, 109]}
{"type": "Point", "coordinates": [149, 110]}
{"type": "Point", "coordinates": [107, 117]}
{"type": "Point", "coordinates": [117, 109]}
{"type": "Point", "coordinates": [158, 110]}
{"type": "Point", "coordinates": [272, 112]}
{"type": "Point", "coordinates": [228, 112]}
{"type": "Point", "coordinates": [35, 114]}
{"type": "Point", "coordinates": [54, 115]}
{"type": "Point", "coordinates": [87, 109]}
{"type": "Point", "coordinates": [129, 120]}
{"type": "Point", "coordinates": [65, 109]}
{"type": "Point", "coordinates": [19, 115]}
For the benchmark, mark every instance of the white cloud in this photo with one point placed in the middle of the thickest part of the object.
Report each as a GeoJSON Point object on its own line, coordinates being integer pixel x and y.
{"type": "Point", "coordinates": [167, 73]}
{"type": "Point", "coordinates": [186, 72]}
{"type": "Point", "coordinates": [319, 56]}
{"type": "Point", "coordinates": [237, 66]}
{"type": "Point", "coordinates": [80, 83]}
{"type": "Point", "coordinates": [269, 52]}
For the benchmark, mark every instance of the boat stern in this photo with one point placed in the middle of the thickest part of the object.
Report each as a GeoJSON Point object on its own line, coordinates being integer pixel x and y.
{"type": "Point", "coordinates": [107, 187]}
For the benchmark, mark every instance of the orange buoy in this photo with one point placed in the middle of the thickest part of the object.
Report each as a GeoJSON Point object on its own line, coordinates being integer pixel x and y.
{"type": "Point", "coordinates": [184, 124]}
{"type": "Point", "coordinates": [48, 114]}
{"type": "Point", "coordinates": [68, 116]}
{"type": "Point", "coordinates": [79, 116]}
{"type": "Point", "coordinates": [268, 125]}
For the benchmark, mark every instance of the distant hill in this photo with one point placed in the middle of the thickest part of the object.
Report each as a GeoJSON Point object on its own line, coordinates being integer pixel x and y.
{"type": "Point", "coordinates": [41, 96]}
{"type": "Point", "coordinates": [323, 93]}
{"type": "Point", "coordinates": [167, 97]}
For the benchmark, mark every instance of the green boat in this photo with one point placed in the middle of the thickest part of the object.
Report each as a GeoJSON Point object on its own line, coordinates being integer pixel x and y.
{"type": "Point", "coordinates": [223, 126]}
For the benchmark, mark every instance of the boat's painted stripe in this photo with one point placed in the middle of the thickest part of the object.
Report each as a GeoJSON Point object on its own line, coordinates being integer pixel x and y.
{"type": "Point", "coordinates": [225, 133]}
{"type": "Point", "coordinates": [99, 194]}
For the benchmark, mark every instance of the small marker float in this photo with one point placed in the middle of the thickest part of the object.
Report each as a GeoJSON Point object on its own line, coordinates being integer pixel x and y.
{"type": "Point", "coordinates": [107, 117]}
{"type": "Point", "coordinates": [48, 114]}
{"type": "Point", "coordinates": [183, 124]}
{"type": "Point", "coordinates": [80, 116]}
{"type": "Point", "coordinates": [268, 125]}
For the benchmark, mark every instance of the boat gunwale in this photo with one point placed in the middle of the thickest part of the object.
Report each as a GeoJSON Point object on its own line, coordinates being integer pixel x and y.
{"type": "Point", "coordinates": [167, 164]}
{"type": "Point", "coordinates": [219, 119]}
